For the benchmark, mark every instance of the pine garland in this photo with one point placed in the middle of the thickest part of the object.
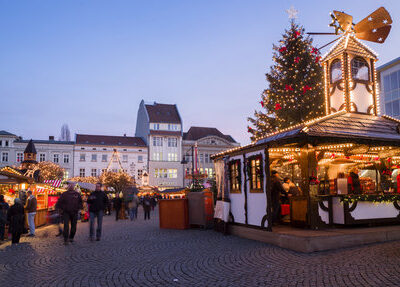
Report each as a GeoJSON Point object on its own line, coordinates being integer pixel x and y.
{"type": "Point", "coordinates": [375, 198]}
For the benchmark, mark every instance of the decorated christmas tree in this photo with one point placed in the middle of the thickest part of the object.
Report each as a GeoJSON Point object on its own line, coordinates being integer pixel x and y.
{"type": "Point", "coordinates": [295, 92]}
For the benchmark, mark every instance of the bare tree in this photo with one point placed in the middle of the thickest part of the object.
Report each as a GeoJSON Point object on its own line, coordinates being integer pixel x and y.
{"type": "Point", "coordinates": [65, 133]}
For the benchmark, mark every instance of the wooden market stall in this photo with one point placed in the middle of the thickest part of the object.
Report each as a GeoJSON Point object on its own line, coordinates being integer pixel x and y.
{"type": "Point", "coordinates": [344, 165]}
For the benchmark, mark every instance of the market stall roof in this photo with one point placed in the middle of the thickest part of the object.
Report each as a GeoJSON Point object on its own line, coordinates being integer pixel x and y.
{"type": "Point", "coordinates": [85, 185]}
{"type": "Point", "coordinates": [13, 173]}
{"type": "Point", "coordinates": [340, 126]}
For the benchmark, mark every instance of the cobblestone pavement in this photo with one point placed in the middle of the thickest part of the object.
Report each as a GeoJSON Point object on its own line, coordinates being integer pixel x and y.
{"type": "Point", "coordinates": [140, 254]}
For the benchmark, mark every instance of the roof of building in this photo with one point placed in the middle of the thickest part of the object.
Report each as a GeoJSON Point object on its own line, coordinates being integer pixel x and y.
{"type": "Point", "coordinates": [163, 113]}
{"type": "Point", "coordinates": [6, 133]}
{"type": "Point", "coordinates": [45, 141]}
{"type": "Point", "coordinates": [349, 42]}
{"type": "Point", "coordinates": [109, 140]}
{"type": "Point", "coordinates": [388, 64]}
{"type": "Point", "coordinates": [30, 148]}
{"type": "Point", "coordinates": [196, 133]}
{"type": "Point", "coordinates": [337, 127]}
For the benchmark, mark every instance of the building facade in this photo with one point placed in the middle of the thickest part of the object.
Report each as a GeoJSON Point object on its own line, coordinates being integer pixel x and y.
{"type": "Point", "coordinates": [160, 126]}
{"type": "Point", "coordinates": [93, 154]}
{"type": "Point", "coordinates": [208, 141]}
{"type": "Point", "coordinates": [389, 78]}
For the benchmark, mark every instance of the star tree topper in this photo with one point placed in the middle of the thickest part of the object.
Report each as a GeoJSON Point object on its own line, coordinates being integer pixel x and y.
{"type": "Point", "coordinates": [292, 12]}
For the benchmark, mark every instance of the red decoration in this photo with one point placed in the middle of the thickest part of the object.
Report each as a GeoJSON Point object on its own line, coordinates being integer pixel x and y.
{"type": "Point", "coordinates": [297, 59]}
{"type": "Point", "coordinates": [249, 129]}
{"type": "Point", "coordinates": [12, 191]}
{"type": "Point", "coordinates": [314, 51]}
{"type": "Point", "coordinates": [278, 107]}
{"type": "Point", "coordinates": [306, 88]}
{"type": "Point", "coordinates": [262, 103]}
{"type": "Point", "coordinates": [317, 59]}
{"type": "Point", "coordinates": [288, 88]}
{"type": "Point", "coordinates": [296, 34]}
{"type": "Point", "coordinates": [282, 49]}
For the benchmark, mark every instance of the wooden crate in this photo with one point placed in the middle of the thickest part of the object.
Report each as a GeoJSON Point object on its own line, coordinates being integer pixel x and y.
{"type": "Point", "coordinates": [173, 213]}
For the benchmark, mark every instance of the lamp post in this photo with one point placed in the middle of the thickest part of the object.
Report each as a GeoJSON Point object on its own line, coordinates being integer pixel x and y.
{"type": "Point", "coordinates": [184, 161]}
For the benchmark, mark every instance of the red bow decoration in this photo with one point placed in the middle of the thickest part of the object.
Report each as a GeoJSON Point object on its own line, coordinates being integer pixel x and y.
{"type": "Point", "coordinates": [249, 129]}
{"type": "Point", "coordinates": [288, 88]}
{"type": "Point", "coordinates": [283, 49]}
{"type": "Point", "coordinates": [306, 88]}
{"type": "Point", "coordinates": [278, 107]}
{"type": "Point", "coordinates": [317, 59]}
{"type": "Point", "coordinates": [262, 103]}
{"type": "Point", "coordinates": [297, 59]}
{"type": "Point", "coordinates": [314, 51]}
{"type": "Point", "coordinates": [297, 33]}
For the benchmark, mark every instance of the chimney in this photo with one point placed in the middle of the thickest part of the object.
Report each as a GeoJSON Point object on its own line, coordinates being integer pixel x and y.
{"type": "Point", "coordinates": [124, 135]}
{"type": "Point", "coordinates": [51, 138]}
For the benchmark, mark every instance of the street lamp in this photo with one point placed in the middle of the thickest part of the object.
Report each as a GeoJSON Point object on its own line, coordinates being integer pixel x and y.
{"type": "Point", "coordinates": [184, 161]}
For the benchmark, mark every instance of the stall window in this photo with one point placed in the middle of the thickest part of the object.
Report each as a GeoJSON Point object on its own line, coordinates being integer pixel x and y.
{"type": "Point", "coordinates": [255, 173]}
{"type": "Point", "coordinates": [234, 176]}
{"type": "Point", "coordinates": [359, 69]}
{"type": "Point", "coordinates": [336, 71]}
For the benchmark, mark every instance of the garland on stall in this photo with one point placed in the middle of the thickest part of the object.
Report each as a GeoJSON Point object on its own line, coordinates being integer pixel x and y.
{"type": "Point", "coordinates": [376, 198]}
{"type": "Point", "coordinates": [259, 169]}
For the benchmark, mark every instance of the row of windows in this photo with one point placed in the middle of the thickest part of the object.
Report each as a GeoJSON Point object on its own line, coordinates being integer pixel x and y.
{"type": "Point", "coordinates": [158, 141]}
{"type": "Point", "coordinates": [171, 156]}
{"type": "Point", "coordinates": [104, 157]}
{"type": "Point", "coordinates": [42, 157]}
{"type": "Point", "coordinates": [111, 149]}
{"type": "Point", "coordinates": [170, 127]}
{"type": "Point", "coordinates": [165, 173]}
{"type": "Point", "coordinates": [4, 143]}
{"type": "Point", "coordinates": [392, 108]}
{"type": "Point", "coordinates": [207, 171]}
{"type": "Point", "coordinates": [359, 69]}
{"type": "Point", "coordinates": [203, 158]}
{"type": "Point", "coordinates": [255, 174]}
{"type": "Point", "coordinates": [391, 82]}
{"type": "Point", "coordinates": [97, 172]}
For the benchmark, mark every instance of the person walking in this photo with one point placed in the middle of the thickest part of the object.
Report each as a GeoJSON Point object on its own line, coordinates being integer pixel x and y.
{"type": "Point", "coordinates": [133, 206]}
{"type": "Point", "coordinates": [97, 201]}
{"type": "Point", "coordinates": [70, 202]}
{"type": "Point", "coordinates": [117, 206]}
{"type": "Point", "coordinates": [16, 221]}
{"type": "Point", "coordinates": [3, 216]}
{"type": "Point", "coordinates": [146, 207]}
{"type": "Point", "coordinates": [31, 207]}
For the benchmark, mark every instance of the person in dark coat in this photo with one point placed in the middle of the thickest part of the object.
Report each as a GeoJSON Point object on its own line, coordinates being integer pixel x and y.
{"type": "Point", "coordinates": [16, 220]}
{"type": "Point", "coordinates": [3, 216]}
{"type": "Point", "coordinates": [117, 202]}
{"type": "Point", "coordinates": [70, 202]}
{"type": "Point", "coordinates": [277, 191]}
{"type": "Point", "coordinates": [354, 182]}
{"type": "Point", "coordinates": [146, 207]}
{"type": "Point", "coordinates": [97, 201]}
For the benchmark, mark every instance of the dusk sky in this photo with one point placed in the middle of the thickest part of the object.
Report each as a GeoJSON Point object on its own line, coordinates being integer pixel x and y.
{"type": "Point", "coordinates": [90, 63]}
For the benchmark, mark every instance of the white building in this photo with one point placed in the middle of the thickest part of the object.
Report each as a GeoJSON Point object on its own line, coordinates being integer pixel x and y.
{"type": "Point", "coordinates": [389, 77]}
{"type": "Point", "coordinates": [208, 141]}
{"type": "Point", "coordinates": [160, 126]}
{"type": "Point", "coordinates": [93, 154]}
{"type": "Point", "coordinates": [60, 152]}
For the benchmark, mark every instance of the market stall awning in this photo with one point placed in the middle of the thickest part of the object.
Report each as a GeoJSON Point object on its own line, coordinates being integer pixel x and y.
{"type": "Point", "coordinates": [54, 183]}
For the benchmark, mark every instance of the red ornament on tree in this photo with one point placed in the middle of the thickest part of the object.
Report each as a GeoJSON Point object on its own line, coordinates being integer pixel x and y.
{"type": "Point", "coordinates": [262, 103]}
{"type": "Point", "coordinates": [306, 88]}
{"type": "Point", "coordinates": [297, 59]}
{"type": "Point", "coordinates": [297, 33]}
{"type": "Point", "coordinates": [314, 51]}
{"type": "Point", "coordinates": [278, 107]}
{"type": "Point", "coordinates": [288, 88]}
{"type": "Point", "coordinates": [282, 49]}
{"type": "Point", "coordinates": [317, 59]}
{"type": "Point", "coordinates": [249, 129]}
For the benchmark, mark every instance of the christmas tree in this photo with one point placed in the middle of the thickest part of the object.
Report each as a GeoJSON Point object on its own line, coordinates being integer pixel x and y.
{"type": "Point", "coordinates": [295, 92]}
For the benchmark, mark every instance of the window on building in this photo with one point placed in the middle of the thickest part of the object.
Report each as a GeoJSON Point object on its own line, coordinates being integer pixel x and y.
{"type": "Point", "coordinates": [201, 158]}
{"type": "Point", "coordinates": [104, 158]}
{"type": "Point", "coordinates": [82, 157]}
{"type": "Point", "coordinates": [125, 158]}
{"type": "Point", "coordinates": [4, 157]}
{"type": "Point", "coordinates": [93, 172]}
{"type": "Point", "coordinates": [359, 69]}
{"type": "Point", "coordinates": [56, 158]}
{"type": "Point", "coordinates": [157, 156]}
{"type": "Point", "coordinates": [172, 156]}
{"type": "Point", "coordinates": [42, 157]}
{"type": "Point", "coordinates": [103, 170]}
{"type": "Point", "coordinates": [66, 174]}
{"type": "Point", "coordinates": [82, 172]}
{"type": "Point", "coordinates": [140, 158]}
{"type": "Point", "coordinates": [94, 157]}
{"type": "Point", "coordinates": [20, 156]}
{"type": "Point", "coordinates": [255, 173]}
{"type": "Point", "coordinates": [172, 173]}
{"type": "Point", "coordinates": [209, 172]}
{"type": "Point", "coordinates": [172, 142]}
{"type": "Point", "coordinates": [206, 158]}
{"type": "Point", "coordinates": [66, 158]}
{"type": "Point", "coordinates": [157, 141]}
{"type": "Point", "coordinates": [173, 127]}
{"type": "Point", "coordinates": [234, 176]}
{"type": "Point", "coordinates": [156, 126]}
{"type": "Point", "coordinates": [139, 173]}
{"type": "Point", "coordinates": [1, 143]}
{"type": "Point", "coordinates": [6, 143]}
{"type": "Point", "coordinates": [160, 173]}
{"type": "Point", "coordinates": [336, 71]}
{"type": "Point", "coordinates": [82, 148]}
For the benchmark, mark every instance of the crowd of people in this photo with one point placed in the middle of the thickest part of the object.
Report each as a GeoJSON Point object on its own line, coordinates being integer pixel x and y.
{"type": "Point", "coordinates": [70, 207]}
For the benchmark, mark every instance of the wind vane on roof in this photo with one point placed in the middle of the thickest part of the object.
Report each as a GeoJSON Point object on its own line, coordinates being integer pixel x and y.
{"type": "Point", "coordinates": [375, 27]}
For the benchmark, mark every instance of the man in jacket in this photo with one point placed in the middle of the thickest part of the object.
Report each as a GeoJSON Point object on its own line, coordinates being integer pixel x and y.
{"type": "Point", "coordinates": [70, 202]}
{"type": "Point", "coordinates": [31, 207]}
{"type": "Point", "coordinates": [276, 192]}
{"type": "Point", "coordinates": [97, 201]}
{"type": "Point", "coordinates": [16, 220]}
{"type": "Point", "coordinates": [3, 216]}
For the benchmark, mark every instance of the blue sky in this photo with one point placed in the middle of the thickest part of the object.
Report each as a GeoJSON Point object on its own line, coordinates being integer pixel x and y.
{"type": "Point", "coordinates": [90, 63]}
